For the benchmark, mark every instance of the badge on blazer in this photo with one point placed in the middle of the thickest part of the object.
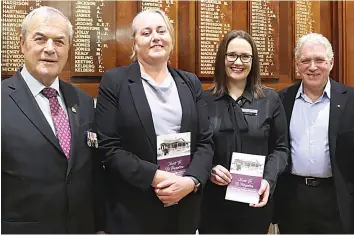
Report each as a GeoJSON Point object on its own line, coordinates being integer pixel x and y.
{"type": "Point", "coordinates": [251, 112]}
{"type": "Point", "coordinates": [92, 139]}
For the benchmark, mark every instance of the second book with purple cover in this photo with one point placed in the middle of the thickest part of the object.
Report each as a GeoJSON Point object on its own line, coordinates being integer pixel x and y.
{"type": "Point", "coordinates": [247, 174]}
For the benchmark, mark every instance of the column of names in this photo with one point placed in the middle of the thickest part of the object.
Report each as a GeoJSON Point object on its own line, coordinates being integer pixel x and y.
{"type": "Point", "coordinates": [89, 30]}
{"type": "Point", "coordinates": [214, 22]}
{"type": "Point", "coordinates": [304, 22]}
{"type": "Point", "coordinates": [13, 13]}
{"type": "Point", "coordinates": [264, 18]}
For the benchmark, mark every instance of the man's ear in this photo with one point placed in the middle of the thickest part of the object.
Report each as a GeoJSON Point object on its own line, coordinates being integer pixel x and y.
{"type": "Point", "coordinates": [22, 43]}
{"type": "Point", "coordinates": [296, 66]}
{"type": "Point", "coordinates": [332, 63]}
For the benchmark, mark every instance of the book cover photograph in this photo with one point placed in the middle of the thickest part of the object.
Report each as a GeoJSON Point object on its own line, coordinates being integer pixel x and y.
{"type": "Point", "coordinates": [247, 174]}
{"type": "Point", "coordinates": [174, 152]}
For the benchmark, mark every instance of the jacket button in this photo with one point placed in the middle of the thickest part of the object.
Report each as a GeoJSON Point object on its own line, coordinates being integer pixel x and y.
{"type": "Point", "coordinates": [69, 181]}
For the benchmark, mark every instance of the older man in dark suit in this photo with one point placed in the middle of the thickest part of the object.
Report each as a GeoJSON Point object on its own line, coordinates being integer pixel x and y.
{"type": "Point", "coordinates": [48, 168]}
{"type": "Point", "coordinates": [316, 194]}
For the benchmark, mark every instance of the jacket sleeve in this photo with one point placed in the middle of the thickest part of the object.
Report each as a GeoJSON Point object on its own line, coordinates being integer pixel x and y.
{"type": "Point", "coordinates": [116, 159]}
{"type": "Point", "coordinates": [203, 155]}
{"type": "Point", "coordinates": [278, 145]}
{"type": "Point", "coordinates": [97, 186]}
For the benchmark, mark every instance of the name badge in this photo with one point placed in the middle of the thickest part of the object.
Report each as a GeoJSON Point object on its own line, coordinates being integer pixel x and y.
{"type": "Point", "coordinates": [92, 141]}
{"type": "Point", "coordinates": [251, 112]}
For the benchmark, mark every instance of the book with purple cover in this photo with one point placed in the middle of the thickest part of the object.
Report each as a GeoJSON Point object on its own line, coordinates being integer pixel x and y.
{"type": "Point", "coordinates": [174, 152]}
{"type": "Point", "coordinates": [247, 174]}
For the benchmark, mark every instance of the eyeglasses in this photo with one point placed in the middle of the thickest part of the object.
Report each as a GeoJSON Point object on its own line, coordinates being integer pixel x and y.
{"type": "Point", "coordinates": [232, 57]}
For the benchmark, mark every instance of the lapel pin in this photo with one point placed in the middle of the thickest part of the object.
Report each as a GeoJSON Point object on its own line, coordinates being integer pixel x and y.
{"type": "Point", "coordinates": [338, 105]}
{"type": "Point", "coordinates": [73, 109]}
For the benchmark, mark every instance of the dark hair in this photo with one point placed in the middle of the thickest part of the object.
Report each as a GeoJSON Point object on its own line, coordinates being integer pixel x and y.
{"type": "Point", "coordinates": [220, 77]}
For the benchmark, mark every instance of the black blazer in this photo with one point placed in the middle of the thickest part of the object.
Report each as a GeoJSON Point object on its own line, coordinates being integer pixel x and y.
{"type": "Point", "coordinates": [42, 191]}
{"type": "Point", "coordinates": [127, 140]}
{"type": "Point", "coordinates": [340, 133]}
{"type": "Point", "coordinates": [262, 134]}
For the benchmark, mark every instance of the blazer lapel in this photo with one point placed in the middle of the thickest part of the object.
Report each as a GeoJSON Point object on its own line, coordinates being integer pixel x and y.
{"type": "Point", "coordinates": [24, 99]}
{"type": "Point", "coordinates": [288, 104]}
{"type": "Point", "coordinates": [72, 104]}
{"type": "Point", "coordinates": [141, 103]}
{"type": "Point", "coordinates": [290, 100]}
{"type": "Point", "coordinates": [186, 99]}
{"type": "Point", "coordinates": [337, 104]}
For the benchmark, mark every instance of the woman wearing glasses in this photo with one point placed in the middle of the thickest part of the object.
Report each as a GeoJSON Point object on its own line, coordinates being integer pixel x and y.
{"type": "Point", "coordinates": [248, 118]}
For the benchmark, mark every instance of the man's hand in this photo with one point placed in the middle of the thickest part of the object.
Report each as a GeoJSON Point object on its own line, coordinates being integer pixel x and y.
{"type": "Point", "coordinates": [263, 194]}
{"type": "Point", "coordinates": [220, 175]}
{"type": "Point", "coordinates": [173, 190]}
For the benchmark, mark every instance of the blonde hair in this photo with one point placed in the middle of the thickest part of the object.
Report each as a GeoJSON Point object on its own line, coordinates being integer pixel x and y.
{"type": "Point", "coordinates": [169, 26]}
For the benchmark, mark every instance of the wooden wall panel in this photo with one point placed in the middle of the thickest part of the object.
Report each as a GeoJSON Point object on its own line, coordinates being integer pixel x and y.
{"type": "Point", "coordinates": [94, 36]}
{"type": "Point", "coordinates": [285, 47]}
{"type": "Point", "coordinates": [186, 35]}
{"type": "Point", "coordinates": [264, 28]}
{"type": "Point", "coordinates": [126, 10]}
{"type": "Point", "coordinates": [331, 18]}
{"type": "Point", "coordinates": [239, 11]}
{"type": "Point", "coordinates": [348, 45]}
{"type": "Point", "coordinates": [307, 18]}
{"type": "Point", "coordinates": [214, 20]}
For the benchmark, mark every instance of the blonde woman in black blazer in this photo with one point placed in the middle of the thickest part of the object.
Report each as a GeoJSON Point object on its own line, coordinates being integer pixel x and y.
{"type": "Point", "coordinates": [136, 188]}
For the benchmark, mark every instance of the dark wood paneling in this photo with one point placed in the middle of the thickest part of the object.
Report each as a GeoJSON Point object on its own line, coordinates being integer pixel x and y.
{"type": "Point", "coordinates": [186, 36]}
{"type": "Point", "coordinates": [126, 11]}
{"type": "Point", "coordinates": [331, 18]}
{"type": "Point", "coordinates": [264, 28]}
{"type": "Point", "coordinates": [348, 43]}
{"type": "Point", "coordinates": [214, 20]}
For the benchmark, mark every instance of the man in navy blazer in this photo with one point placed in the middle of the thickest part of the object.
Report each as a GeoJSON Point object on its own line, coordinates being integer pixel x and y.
{"type": "Point", "coordinates": [315, 194]}
{"type": "Point", "coordinates": [48, 169]}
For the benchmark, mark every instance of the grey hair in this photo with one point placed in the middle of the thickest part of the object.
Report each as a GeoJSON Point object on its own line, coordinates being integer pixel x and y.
{"type": "Point", "coordinates": [47, 10]}
{"type": "Point", "coordinates": [313, 38]}
{"type": "Point", "coordinates": [169, 26]}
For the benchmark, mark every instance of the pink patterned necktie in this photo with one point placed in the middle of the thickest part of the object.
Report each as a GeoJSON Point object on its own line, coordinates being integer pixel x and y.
{"type": "Point", "coordinates": [60, 119]}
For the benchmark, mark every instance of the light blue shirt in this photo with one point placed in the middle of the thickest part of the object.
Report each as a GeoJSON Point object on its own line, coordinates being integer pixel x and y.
{"type": "Point", "coordinates": [309, 135]}
{"type": "Point", "coordinates": [36, 87]}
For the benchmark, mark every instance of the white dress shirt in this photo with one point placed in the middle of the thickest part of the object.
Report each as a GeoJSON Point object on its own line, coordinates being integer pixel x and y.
{"type": "Point", "coordinates": [36, 87]}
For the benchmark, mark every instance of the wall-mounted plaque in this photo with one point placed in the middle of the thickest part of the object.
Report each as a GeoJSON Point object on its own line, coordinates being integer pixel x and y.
{"type": "Point", "coordinates": [306, 20]}
{"type": "Point", "coordinates": [170, 7]}
{"type": "Point", "coordinates": [93, 50]}
{"type": "Point", "coordinates": [12, 15]}
{"type": "Point", "coordinates": [264, 23]}
{"type": "Point", "coordinates": [214, 20]}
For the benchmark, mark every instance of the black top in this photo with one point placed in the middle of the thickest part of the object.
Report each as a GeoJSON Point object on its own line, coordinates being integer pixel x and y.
{"type": "Point", "coordinates": [249, 125]}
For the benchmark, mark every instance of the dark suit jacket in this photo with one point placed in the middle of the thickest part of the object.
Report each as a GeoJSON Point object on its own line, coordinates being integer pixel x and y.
{"type": "Point", "coordinates": [127, 140]}
{"type": "Point", "coordinates": [341, 127]}
{"type": "Point", "coordinates": [42, 191]}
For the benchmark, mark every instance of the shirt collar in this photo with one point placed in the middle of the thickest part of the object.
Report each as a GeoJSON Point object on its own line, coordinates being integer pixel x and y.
{"type": "Point", "coordinates": [164, 85]}
{"type": "Point", "coordinates": [247, 94]}
{"type": "Point", "coordinates": [36, 86]}
{"type": "Point", "coordinates": [327, 90]}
